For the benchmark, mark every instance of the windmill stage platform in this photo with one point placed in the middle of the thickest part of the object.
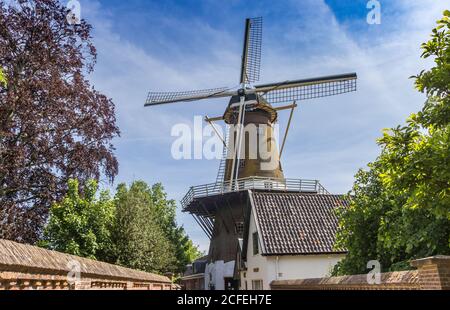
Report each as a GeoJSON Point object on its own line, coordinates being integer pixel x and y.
{"type": "Point", "coordinates": [203, 201]}
{"type": "Point", "coordinates": [196, 193]}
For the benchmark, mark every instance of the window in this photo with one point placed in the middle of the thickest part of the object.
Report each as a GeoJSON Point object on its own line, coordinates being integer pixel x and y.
{"type": "Point", "coordinates": [257, 285]}
{"type": "Point", "coordinates": [242, 163]}
{"type": "Point", "coordinates": [231, 284]}
{"type": "Point", "coordinates": [255, 243]}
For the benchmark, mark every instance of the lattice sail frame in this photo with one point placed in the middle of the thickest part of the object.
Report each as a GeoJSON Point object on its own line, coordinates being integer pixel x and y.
{"type": "Point", "coordinates": [251, 58]}
{"type": "Point", "coordinates": [308, 89]}
{"type": "Point", "coordinates": [155, 98]}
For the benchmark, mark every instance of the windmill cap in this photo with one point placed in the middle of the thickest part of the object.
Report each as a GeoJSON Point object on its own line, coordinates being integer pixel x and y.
{"type": "Point", "coordinates": [253, 102]}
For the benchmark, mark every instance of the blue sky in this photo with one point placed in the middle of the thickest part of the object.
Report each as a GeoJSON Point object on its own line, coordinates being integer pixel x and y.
{"type": "Point", "coordinates": [183, 45]}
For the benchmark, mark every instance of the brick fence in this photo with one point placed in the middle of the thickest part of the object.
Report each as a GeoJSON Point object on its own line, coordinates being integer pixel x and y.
{"type": "Point", "coordinates": [433, 273]}
{"type": "Point", "coordinates": [29, 267]}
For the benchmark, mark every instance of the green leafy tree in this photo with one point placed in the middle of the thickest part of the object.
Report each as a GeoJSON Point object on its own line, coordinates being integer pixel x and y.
{"type": "Point", "coordinates": [139, 241]}
{"type": "Point", "coordinates": [2, 78]}
{"type": "Point", "coordinates": [185, 251]}
{"type": "Point", "coordinates": [81, 223]}
{"type": "Point", "coordinates": [136, 229]}
{"type": "Point", "coordinates": [400, 207]}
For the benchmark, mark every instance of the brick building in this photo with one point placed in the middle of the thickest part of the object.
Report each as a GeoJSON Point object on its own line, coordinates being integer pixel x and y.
{"type": "Point", "coordinates": [194, 276]}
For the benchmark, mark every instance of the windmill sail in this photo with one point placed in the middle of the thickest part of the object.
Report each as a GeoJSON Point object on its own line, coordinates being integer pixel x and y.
{"type": "Point", "coordinates": [307, 88]}
{"type": "Point", "coordinates": [251, 56]}
{"type": "Point", "coordinates": [156, 98]}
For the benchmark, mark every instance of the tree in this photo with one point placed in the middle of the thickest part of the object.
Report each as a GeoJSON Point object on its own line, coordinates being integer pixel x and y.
{"type": "Point", "coordinates": [53, 124]}
{"type": "Point", "coordinates": [185, 251]}
{"type": "Point", "coordinates": [136, 229]}
{"type": "Point", "coordinates": [139, 241]}
{"type": "Point", "coordinates": [400, 208]}
{"type": "Point", "coordinates": [81, 224]}
{"type": "Point", "coordinates": [2, 78]}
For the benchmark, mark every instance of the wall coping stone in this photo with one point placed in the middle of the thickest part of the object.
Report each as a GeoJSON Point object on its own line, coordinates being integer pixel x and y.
{"type": "Point", "coordinates": [27, 259]}
{"type": "Point", "coordinates": [432, 260]}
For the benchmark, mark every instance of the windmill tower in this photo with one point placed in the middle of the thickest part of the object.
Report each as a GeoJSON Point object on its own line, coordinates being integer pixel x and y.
{"type": "Point", "coordinates": [248, 164]}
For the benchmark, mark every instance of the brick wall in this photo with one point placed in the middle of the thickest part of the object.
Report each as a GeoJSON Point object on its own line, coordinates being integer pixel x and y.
{"type": "Point", "coordinates": [193, 283]}
{"type": "Point", "coordinates": [433, 273]}
{"type": "Point", "coordinates": [27, 267]}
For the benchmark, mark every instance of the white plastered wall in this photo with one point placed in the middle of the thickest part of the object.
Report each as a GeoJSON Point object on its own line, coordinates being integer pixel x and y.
{"type": "Point", "coordinates": [286, 267]}
{"type": "Point", "coordinates": [215, 274]}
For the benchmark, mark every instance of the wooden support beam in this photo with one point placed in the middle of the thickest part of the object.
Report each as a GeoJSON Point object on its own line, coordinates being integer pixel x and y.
{"type": "Point", "coordinates": [208, 215]}
{"type": "Point", "coordinates": [292, 107]}
{"type": "Point", "coordinates": [204, 228]}
{"type": "Point", "coordinates": [213, 119]}
{"type": "Point", "coordinates": [208, 120]}
{"type": "Point", "coordinates": [286, 107]}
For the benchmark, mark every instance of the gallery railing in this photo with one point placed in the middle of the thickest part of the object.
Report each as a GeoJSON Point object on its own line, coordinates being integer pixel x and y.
{"type": "Point", "coordinates": [252, 183]}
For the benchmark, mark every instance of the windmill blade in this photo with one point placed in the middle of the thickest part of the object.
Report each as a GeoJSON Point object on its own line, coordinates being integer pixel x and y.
{"type": "Point", "coordinates": [156, 98]}
{"type": "Point", "coordinates": [308, 88]}
{"type": "Point", "coordinates": [251, 56]}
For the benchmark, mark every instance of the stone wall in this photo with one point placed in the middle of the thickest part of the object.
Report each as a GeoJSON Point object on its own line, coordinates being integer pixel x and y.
{"type": "Point", "coordinates": [29, 267]}
{"type": "Point", "coordinates": [433, 273]}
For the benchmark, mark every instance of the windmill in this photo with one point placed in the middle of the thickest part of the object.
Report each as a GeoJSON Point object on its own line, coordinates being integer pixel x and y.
{"type": "Point", "coordinates": [222, 209]}
{"type": "Point", "coordinates": [254, 104]}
